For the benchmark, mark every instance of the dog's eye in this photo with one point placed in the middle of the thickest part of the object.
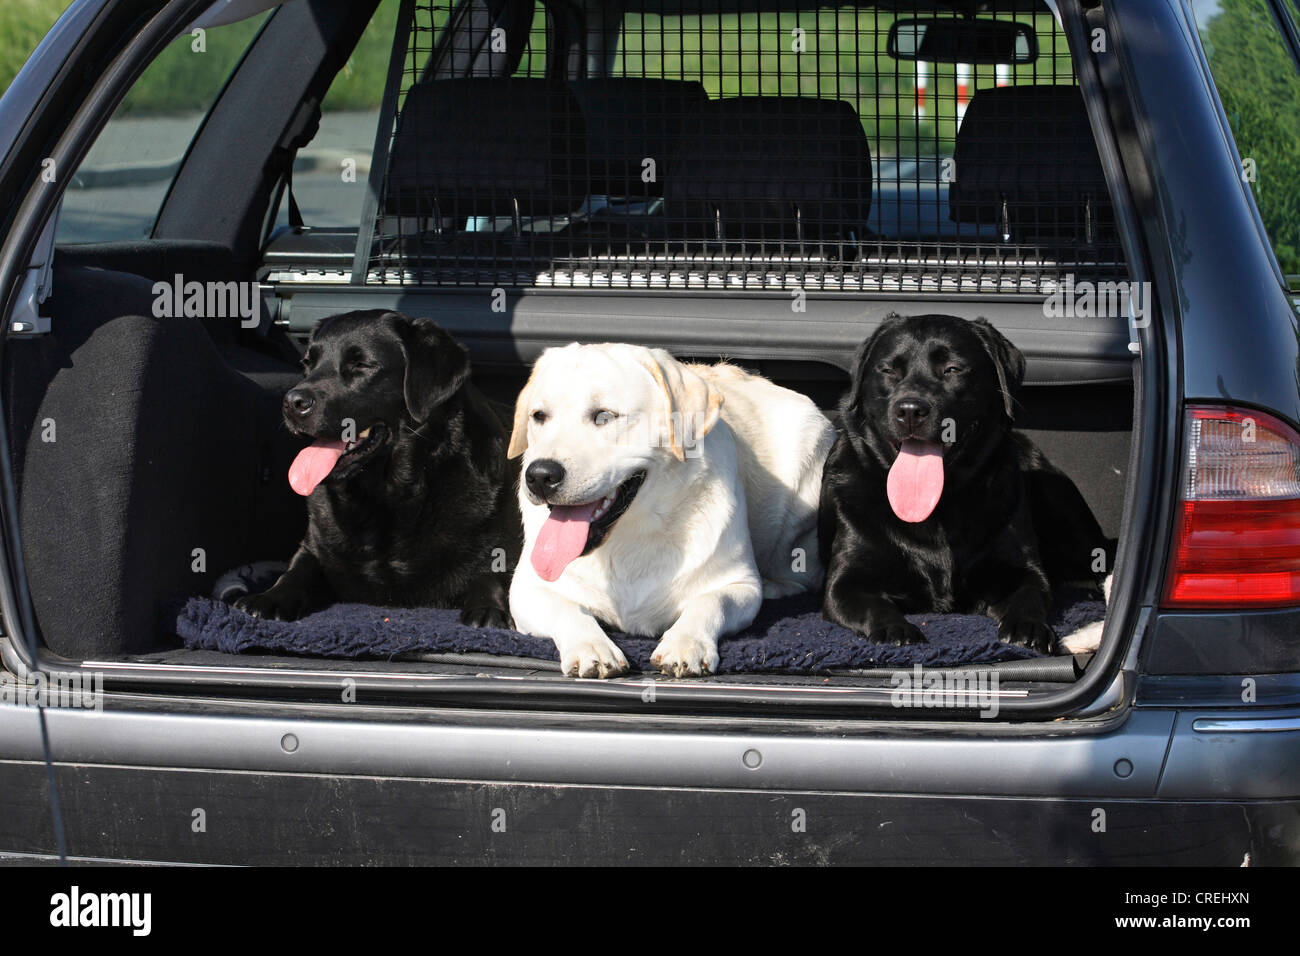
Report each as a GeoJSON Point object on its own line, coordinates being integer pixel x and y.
{"type": "Point", "coordinates": [886, 369]}
{"type": "Point", "coordinates": [953, 370]}
{"type": "Point", "coordinates": [604, 416]}
{"type": "Point", "coordinates": [355, 367]}
{"type": "Point", "coordinates": [540, 417]}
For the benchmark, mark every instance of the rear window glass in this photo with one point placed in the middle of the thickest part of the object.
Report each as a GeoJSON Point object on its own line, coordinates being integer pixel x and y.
{"type": "Point", "coordinates": [1259, 86]}
{"type": "Point", "coordinates": [843, 148]}
{"type": "Point", "coordinates": [910, 111]}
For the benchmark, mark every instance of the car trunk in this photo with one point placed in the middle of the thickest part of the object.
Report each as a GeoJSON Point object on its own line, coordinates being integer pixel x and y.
{"type": "Point", "coordinates": [151, 459]}
{"type": "Point", "coordinates": [510, 200]}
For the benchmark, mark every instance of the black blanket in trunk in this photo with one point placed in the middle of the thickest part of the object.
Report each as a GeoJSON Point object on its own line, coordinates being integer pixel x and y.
{"type": "Point", "coordinates": [789, 636]}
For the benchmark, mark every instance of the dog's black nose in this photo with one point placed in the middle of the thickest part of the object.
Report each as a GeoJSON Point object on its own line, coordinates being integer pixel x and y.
{"type": "Point", "coordinates": [299, 402]}
{"type": "Point", "coordinates": [544, 476]}
{"type": "Point", "coordinates": [911, 412]}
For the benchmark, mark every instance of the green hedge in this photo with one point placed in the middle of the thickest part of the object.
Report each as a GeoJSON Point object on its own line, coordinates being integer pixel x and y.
{"type": "Point", "coordinates": [1257, 83]}
{"type": "Point", "coordinates": [182, 78]}
{"type": "Point", "coordinates": [23, 23]}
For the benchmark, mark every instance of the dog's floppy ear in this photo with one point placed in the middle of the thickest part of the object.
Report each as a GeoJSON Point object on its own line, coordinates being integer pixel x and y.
{"type": "Point", "coordinates": [1007, 360]}
{"type": "Point", "coordinates": [691, 404]}
{"type": "Point", "coordinates": [519, 432]}
{"type": "Point", "coordinates": [436, 365]}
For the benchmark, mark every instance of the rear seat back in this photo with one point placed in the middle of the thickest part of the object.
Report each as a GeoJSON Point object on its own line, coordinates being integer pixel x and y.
{"type": "Point", "coordinates": [630, 120]}
{"type": "Point", "coordinates": [1026, 161]}
{"type": "Point", "coordinates": [487, 147]}
{"type": "Point", "coordinates": [768, 167]}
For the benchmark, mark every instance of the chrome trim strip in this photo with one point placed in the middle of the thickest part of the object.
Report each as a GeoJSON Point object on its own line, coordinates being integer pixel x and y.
{"type": "Point", "coordinates": [1246, 725]}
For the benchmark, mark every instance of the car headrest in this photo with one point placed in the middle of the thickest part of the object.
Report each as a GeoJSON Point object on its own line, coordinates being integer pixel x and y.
{"type": "Point", "coordinates": [630, 120]}
{"type": "Point", "coordinates": [1026, 161]}
{"type": "Point", "coordinates": [479, 146]}
{"type": "Point", "coordinates": [771, 167]}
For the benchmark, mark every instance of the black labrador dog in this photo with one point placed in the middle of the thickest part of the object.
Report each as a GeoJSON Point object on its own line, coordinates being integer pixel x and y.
{"type": "Point", "coordinates": [932, 503]}
{"type": "Point", "coordinates": [410, 496]}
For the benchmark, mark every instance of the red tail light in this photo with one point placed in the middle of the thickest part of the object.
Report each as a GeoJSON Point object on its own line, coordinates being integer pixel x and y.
{"type": "Point", "coordinates": [1237, 534]}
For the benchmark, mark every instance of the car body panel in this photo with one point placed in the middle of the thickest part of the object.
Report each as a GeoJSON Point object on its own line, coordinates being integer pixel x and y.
{"type": "Point", "coordinates": [277, 819]}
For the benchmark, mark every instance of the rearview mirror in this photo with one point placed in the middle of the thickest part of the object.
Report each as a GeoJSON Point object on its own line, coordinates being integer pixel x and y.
{"type": "Point", "coordinates": [963, 41]}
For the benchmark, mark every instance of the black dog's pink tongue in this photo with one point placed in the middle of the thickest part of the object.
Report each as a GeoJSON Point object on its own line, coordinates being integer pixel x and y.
{"type": "Point", "coordinates": [312, 465]}
{"type": "Point", "coordinates": [916, 480]}
{"type": "Point", "coordinates": [562, 538]}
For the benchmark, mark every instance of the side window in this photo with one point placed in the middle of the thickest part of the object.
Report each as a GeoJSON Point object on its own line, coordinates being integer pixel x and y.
{"type": "Point", "coordinates": [1259, 85]}
{"type": "Point", "coordinates": [119, 188]}
{"type": "Point", "coordinates": [330, 172]}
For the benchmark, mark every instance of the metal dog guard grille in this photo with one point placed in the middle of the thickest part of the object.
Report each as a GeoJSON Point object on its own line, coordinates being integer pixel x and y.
{"type": "Point", "coordinates": [723, 150]}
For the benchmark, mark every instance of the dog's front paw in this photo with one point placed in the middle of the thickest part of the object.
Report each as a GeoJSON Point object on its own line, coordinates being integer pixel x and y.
{"type": "Point", "coordinates": [486, 616]}
{"type": "Point", "coordinates": [592, 659]}
{"type": "Point", "coordinates": [1086, 640]}
{"type": "Point", "coordinates": [683, 655]}
{"type": "Point", "coordinates": [277, 604]}
{"type": "Point", "coordinates": [1036, 635]}
{"type": "Point", "coordinates": [898, 632]}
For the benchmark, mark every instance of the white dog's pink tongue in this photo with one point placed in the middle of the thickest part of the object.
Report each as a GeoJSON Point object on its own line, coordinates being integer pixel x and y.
{"type": "Point", "coordinates": [312, 465]}
{"type": "Point", "coordinates": [916, 479]}
{"type": "Point", "coordinates": [562, 538]}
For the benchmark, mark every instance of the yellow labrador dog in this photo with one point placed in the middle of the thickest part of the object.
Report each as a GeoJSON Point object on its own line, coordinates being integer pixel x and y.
{"type": "Point", "coordinates": [661, 498]}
